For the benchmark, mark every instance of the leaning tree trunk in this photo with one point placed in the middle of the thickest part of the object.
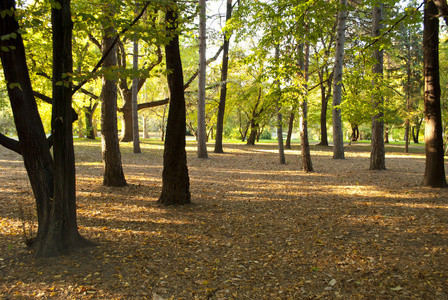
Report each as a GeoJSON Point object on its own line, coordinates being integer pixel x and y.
{"type": "Point", "coordinates": [290, 129]}
{"type": "Point", "coordinates": [175, 179]}
{"type": "Point", "coordinates": [61, 231]}
{"type": "Point", "coordinates": [33, 144]}
{"type": "Point", "coordinates": [113, 171]}
{"type": "Point", "coordinates": [378, 152]}
{"type": "Point", "coordinates": [223, 91]}
{"type": "Point", "coordinates": [435, 167]}
{"type": "Point", "coordinates": [338, 136]}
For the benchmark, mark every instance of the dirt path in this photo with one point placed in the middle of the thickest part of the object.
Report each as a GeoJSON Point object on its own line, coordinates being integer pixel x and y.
{"type": "Point", "coordinates": [256, 230]}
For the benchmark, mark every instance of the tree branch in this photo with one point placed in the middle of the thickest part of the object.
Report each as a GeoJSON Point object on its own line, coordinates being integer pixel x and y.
{"type": "Point", "coordinates": [9, 143]}
{"type": "Point", "coordinates": [109, 50]}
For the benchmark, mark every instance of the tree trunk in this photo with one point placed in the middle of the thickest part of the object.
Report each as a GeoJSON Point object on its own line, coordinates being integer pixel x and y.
{"type": "Point", "coordinates": [126, 121]}
{"type": "Point", "coordinates": [307, 165]}
{"type": "Point", "coordinates": [33, 144]}
{"type": "Point", "coordinates": [338, 136]}
{"type": "Point", "coordinates": [378, 152]}
{"type": "Point", "coordinates": [435, 166]}
{"type": "Point", "coordinates": [88, 114]}
{"type": "Point", "coordinates": [61, 231]}
{"type": "Point", "coordinates": [175, 179]}
{"type": "Point", "coordinates": [223, 91]}
{"type": "Point", "coordinates": [323, 111]}
{"type": "Point", "coordinates": [290, 129]}
{"type": "Point", "coordinates": [135, 131]}
{"type": "Point", "coordinates": [202, 130]}
{"type": "Point", "coordinates": [253, 133]}
{"type": "Point", "coordinates": [113, 170]}
{"type": "Point", "coordinates": [145, 127]}
{"type": "Point", "coordinates": [281, 148]}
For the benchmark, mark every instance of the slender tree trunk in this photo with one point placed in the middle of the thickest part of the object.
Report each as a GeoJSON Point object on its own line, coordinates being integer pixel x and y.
{"type": "Point", "coordinates": [290, 129]}
{"type": "Point", "coordinates": [338, 136]}
{"type": "Point", "coordinates": [305, 145]}
{"type": "Point", "coordinates": [435, 166]}
{"type": "Point", "coordinates": [378, 152]}
{"type": "Point", "coordinates": [145, 127]}
{"type": "Point", "coordinates": [223, 94]}
{"type": "Point", "coordinates": [202, 130]}
{"type": "Point", "coordinates": [135, 131]}
{"type": "Point", "coordinates": [281, 148]}
{"type": "Point", "coordinates": [175, 179]}
{"type": "Point", "coordinates": [323, 111]}
{"type": "Point", "coordinates": [113, 170]}
{"type": "Point", "coordinates": [127, 133]}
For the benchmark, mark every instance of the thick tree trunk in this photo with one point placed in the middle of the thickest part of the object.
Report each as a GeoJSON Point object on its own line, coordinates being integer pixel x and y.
{"type": "Point", "coordinates": [253, 133]}
{"type": "Point", "coordinates": [378, 152]}
{"type": "Point", "coordinates": [338, 136]}
{"type": "Point", "coordinates": [435, 166]}
{"type": "Point", "coordinates": [223, 91]}
{"type": "Point", "coordinates": [175, 178]}
{"type": "Point", "coordinates": [61, 231]}
{"type": "Point", "coordinates": [202, 130]}
{"type": "Point", "coordinates": [113, 170]}
{"type": "Point", "coordinates": [33, 143]}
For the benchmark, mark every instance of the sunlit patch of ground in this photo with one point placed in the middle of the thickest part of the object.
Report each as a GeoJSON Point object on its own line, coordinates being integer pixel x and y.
{"type": "Point", "coordinates": [255, 230]}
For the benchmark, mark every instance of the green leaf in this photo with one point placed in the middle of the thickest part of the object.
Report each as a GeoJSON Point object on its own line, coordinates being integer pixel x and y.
{"type": "Point", "coordinates": [13, 85]}
{"type": "Point", "coordinates": [4, 48]}
{"type": "Point", "coordinates": [59, 83]}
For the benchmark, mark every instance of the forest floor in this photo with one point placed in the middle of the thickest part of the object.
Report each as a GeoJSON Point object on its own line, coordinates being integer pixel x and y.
{"type": "Point", "coordinates": [256, 229]}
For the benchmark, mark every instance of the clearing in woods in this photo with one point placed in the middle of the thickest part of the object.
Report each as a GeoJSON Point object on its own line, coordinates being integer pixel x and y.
{"type": "Point", "coordinates": [256, 230]}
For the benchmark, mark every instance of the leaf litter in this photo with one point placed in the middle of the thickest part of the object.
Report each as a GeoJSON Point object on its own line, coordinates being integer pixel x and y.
{"type": "Point", "coordinates": [255, 230]}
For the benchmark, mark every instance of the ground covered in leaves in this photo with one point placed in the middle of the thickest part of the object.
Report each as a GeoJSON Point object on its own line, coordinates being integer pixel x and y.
{"type": "Point", "coordinates": [255, 230]}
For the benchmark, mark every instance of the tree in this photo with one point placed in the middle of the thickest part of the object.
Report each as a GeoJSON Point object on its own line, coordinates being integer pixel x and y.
{"type": "Point", "coordinates": [223, 90]}
{"type": "Point", "coordinates": [306, 156]}
{"type": "Point", "coordinates": [281, 148]}
{"type": "Point", "coordinates": [201, 132]}
{"type": "Point", "coordinates": [435, 167]}
{"type": "Point", "coordinates": [338, 137]}
{"type": "Point", "coordinates": [113, 171]}
{"type": "Point", "coordinates": [53, 183]}
{"type": "Point", "coordinates": [377, 155]}
{"type": "Point", "coordinates": [135, 131]}
{"type": "Point", "coordinates": [175, 179]}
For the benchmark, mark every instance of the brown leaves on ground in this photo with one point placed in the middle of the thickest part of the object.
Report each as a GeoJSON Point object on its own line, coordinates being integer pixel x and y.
{"type": "Point", "coordinates": [256, 230]}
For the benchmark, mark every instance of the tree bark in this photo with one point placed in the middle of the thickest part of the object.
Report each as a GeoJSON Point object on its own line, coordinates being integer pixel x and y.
{"type": "Point", "coordinates": [61, 231]}
{"type": "Point", "coordinates": [113, 171]}
{"type": "Point", "coordinates": [223, 91]}
{"type": "Point", "coordinates": [378, 152]}
{"type": "Point", "coordinates": [175, 178]}
{"type": "Point", "coordinates": [135, 131]}
{"type": "Point", "coordinates": [307, 165]}
{"type": "Point", "coordinates": [202, 130]}
{"type": "Point", "coordinates": [290, 129]}
{"type": "Point", "coordinates": [338, 136]}
{"type": "Point", "coordinates": [281, 148]}
{"type": "Point", "coordinates": [323, 110]}
{"type": "Point", "coordinates": [33, 144]}
{"type": "Point", "coordinates": [435, 167]}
